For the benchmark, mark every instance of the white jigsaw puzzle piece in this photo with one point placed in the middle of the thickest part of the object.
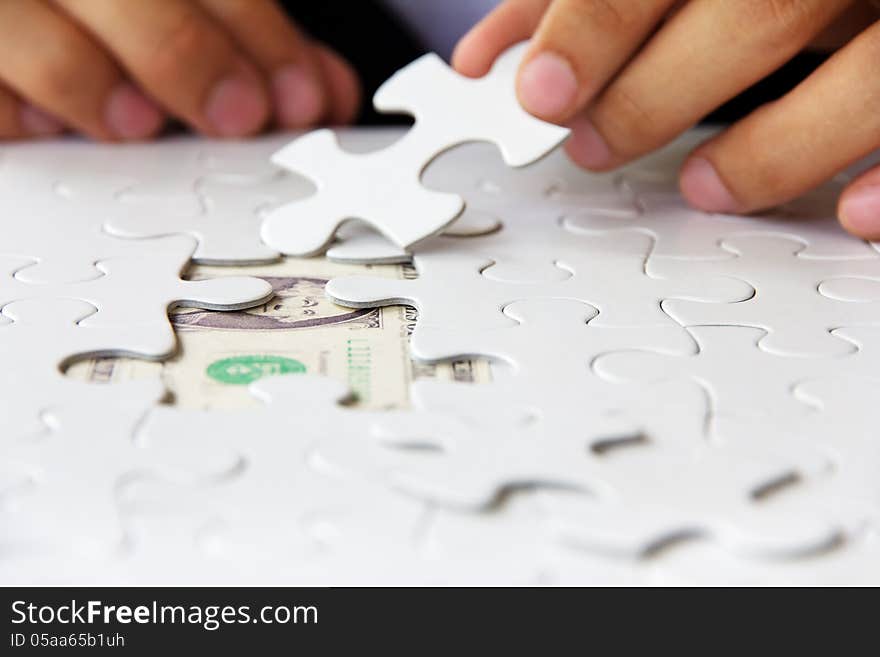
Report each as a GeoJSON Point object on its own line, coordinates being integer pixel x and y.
{"type": "Point", "coordinates": [478, 172]}
{"type": "Point", "coordinates": [273, 442]}
{"type": "Point", "coordinates": [740, 378]}
{"type": "Point", "coordinates": [840, 428]}
{"type": "Point", "coordinates": [551, 348]}
{"type": "Point", "coordinates": [384, 188]}
{"type": "Point", "coordinates": [677, 230]}
{"type": "Point", "coordinates": [640, 523]}
{"type": "Point", "coordinates": [466, 459]}
{"type": "Point", "coordinates": [681, 232]}
{"type": "Point", "coordinates": [680, 485]}
{"type": "Point", "coordinates": [458, 109]}
{"type": "Point", "coordinates": [42, 338]}
{"type": "Point", "coordinates": [227, 225]}
{"type": "Point", "coordinates": [787, 303]}
{"type": "Point", "coordinates": [855, 562]}
{"type": "Point", "coordinates": [851, 289]}
{"type": "Point", "coordinates": [360, 245]}
{"type": "Point", "coordinates": [72, 188]}
{"type": "Point", "coordinates": [514, 545]}
{"type": "Point", "coordinates": [78, 466]}
{"type": "Point", "coordinates": [524, 222]}
{"type": "Point", "coordinates": [608, 273]}
{"type": "Point", "coordinates": [357, 186]}
{"type": "Point", "coordinates": [140, 288]}
{"type": "Point", "coordinates": [62, 239]}
{"type": "Point", "coordinates": [157, 173]}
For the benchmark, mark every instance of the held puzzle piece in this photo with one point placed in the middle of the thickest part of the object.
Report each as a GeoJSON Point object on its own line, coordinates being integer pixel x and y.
{"type": "Point", "coordinates": [383, 188]}
{"type": "Point", "coordinates": [361, 245]}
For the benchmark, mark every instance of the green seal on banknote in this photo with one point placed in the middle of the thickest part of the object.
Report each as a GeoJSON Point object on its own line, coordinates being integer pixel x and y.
{"type": "Point", "coordinates": [240, 370]}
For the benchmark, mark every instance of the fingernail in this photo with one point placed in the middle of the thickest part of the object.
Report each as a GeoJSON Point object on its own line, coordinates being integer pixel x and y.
{"type": "Point", "coordinates": [36, 122]}
{"type": "Point", "coordinates": [131, 115]}
{"type": "Point", "coordinates": [298, 98]}
{"type": "Point", "coordinates": [703, 188]}
{"type": "Point", "coordinates": [586, 146]}
{"type": "Point", "coordinates": [236, 107]}
{"type": "Point", "coordinates": [860, 210]}
{"type": "Point", "coordinates": [547, 86]}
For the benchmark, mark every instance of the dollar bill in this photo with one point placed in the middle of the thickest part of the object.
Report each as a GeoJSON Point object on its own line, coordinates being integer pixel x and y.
{"type": "Point", "coordinates": [298, 331]}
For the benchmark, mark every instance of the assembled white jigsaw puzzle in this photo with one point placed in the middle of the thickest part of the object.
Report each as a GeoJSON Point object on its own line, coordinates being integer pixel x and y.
{"type": "Point", "coordinates": [595, 383]}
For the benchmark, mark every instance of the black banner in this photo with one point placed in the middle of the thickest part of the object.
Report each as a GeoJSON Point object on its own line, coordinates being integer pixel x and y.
{"type": "Point", "coordinates": [403, 621]}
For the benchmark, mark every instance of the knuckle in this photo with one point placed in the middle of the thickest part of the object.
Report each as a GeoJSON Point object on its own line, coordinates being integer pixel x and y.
{"type": "Point", "coordinates": [870, 42]}
{"type": "Point", "coordinates": [521, 15]}
{"type": "Point", "coordinates": [10, 127]}
{"type": "Point", "coordinates": [759, 176]}
{"type": "Point", "coordinates": [569, 22]}
{"type": "Point", "coordinates": [872, 97]}
{"type": "Point", "coordinates": [58, 80]}
{"type": "Point", "coordinates": [187, 39]}
{"type": "Point", "coordinates": [780, 24]}
{"type": "Point", "coordinates": [773, 182]}
{"type": "Point", "coordinates": [609, 16]}
{"type": "Point", "coordinates": [628, 126]}
{"type": "Point", "coordinates": [789, 12]}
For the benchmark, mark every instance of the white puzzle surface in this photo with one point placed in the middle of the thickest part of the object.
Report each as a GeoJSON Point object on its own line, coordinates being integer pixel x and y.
{"type": "Point", "coordinates": [592, 383]}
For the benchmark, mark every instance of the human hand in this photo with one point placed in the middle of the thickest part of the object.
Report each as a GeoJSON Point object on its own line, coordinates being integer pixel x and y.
{"type": "Point", "coordinates": [630, 75]}
{"type": "Point", "coordinates": [118, 69]}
